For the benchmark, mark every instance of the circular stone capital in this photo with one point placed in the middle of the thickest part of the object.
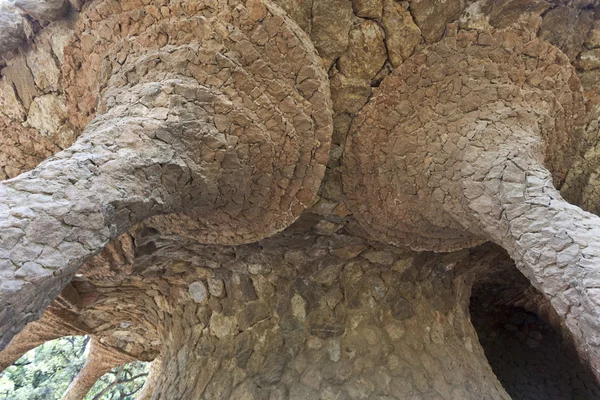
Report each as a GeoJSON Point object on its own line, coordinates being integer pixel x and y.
{"type": "Point", "coordinates": [254, 125]}
{"type": "Point", "coordinates": [413, 143]}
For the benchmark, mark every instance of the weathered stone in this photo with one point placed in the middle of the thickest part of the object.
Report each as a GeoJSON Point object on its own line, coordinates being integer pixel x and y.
{"type": "Point", "coordinates": [198, 291]}
{"type": "Point", "coordinates": [589, 59]}
{"type": "Point", "coordinates": [216, 287]}
{"type": "Point", "coordinates": [400, 308]}
{"type": "Point", "coordinates": [298, 10]}
{"type": "Point", "coordinates": [431, 17]}
{"type": "Point", "coordinates": [47, 114]}
{"type": "Point", "coordinates": [12, 31]}
{"type": "Point", "coordinates": [593, 39]}
{"type": "Point", "coordinates": [312, 378]}
{"type": "Point", "coordinates": [21, 78]}
{"type": "Point", "coordinates": [221, 111]}
{"type": "Point", "coordinates": [330, 27]}
{"type": "Point", "coordinates": [244, 347]}
{"type": "Point", "coordinates": [45, 10]}
{"type": "Point", "coordinates": [272, 369]}
{"type": "Point", "coordinates": [298, 307]}
{"type": "Point", "coordinates": [223, 326]}
{"type": "Point", "coordinates": [251, 314]}
{"type": "Point", "coordinates": [365, 54]}
{"type": "Point", "coordinates": [240, 287]}
{"type": "Point", "coordinates": [567, 28]}
{"type": "Point", "coordinates": [517, 13]}
{"type": "Point", "coordinates": [368, 8]}
{"type": "Point", "coordinates": [401, 34]}
{"type": "Point", "coordinates": [379, 257]}
{"type": "Point", "coordinates": [10, 105]}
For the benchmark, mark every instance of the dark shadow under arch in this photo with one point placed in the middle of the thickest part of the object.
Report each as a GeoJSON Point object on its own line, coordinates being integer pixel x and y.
{"type": "Point", "coordinates": [523, 341]}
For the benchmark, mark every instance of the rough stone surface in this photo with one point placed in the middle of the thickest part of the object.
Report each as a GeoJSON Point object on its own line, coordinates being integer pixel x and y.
{"type": "Point", "coordinates": [45, 10]}
{"type": "Point", "coordinates": [483, 176]}
{"type": "Point", "coordinates": [12, 30]}
{"type": "Point", "coordinates": [417, 123]}
{"type": "Point", "coordinates": [330, 27]}
{"type": "Point", "coordinates": [198, 291]}
{"type": "Point", "coordinates": [402, 35]}
{"type": "Point", "coordinates": [567, 28]}
{"type": "Point", "coordinates": [368, 8]}
{"type": "Point", "coordinates": [219, 105]}
{"type": "Point", "coordinates": [366, 52]}
{"type": "Point", "coordinates": [432, 16]}
{"type": "Point", "coordinates": [184, 123]}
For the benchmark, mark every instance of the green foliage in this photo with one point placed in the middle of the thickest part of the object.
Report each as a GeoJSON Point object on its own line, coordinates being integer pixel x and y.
{"type": "Point", "coordinates": [45, 373]}
{"type": "Point", "coordinates": [122, 383]}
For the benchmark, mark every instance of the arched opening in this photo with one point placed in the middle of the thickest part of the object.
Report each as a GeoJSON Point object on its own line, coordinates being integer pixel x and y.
{"type": "Point", "coordinates": [532, 356]}
{"type": "Point", "coordinates": [45, 373]}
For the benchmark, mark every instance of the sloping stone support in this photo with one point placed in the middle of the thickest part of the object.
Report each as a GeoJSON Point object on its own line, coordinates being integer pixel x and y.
{"type": "Point", "coordinates": [553, 243]}
{"type": "Point", "coordinates": [100, 360]}
{"type": "Point", "coordinates": [475, 124]}
{"type": "Point", "coordinates": [54, 323]}
{"type": "Point", "coordinates": [232, 137]}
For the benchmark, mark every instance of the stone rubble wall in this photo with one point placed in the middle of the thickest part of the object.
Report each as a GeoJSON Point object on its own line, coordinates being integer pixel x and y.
{"type": "Point", "coordinates": [308, 324]}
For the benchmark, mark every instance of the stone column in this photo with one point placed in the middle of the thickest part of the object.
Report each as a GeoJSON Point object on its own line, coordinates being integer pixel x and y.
{"type": "Point", "coordinates": [53, 324]}
{"type": "Point", "coordinates": [69, 207]}
{"type": "Point", "coordinates": [221, 132]}
{"type": "Point", "coordinates": [333, 330]}
{"type": "Point", "coordinates": [553, 243]}
{"type": "Point", "coordinates": [465, 135]}
{"type": "Point", "coordinates": [100, 360]}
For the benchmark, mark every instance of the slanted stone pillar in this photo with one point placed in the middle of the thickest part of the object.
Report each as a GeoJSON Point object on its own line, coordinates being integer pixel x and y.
{"type": "Point", "coordinates": [215, 114]}
{"type": "Point", "coordinates": [54, 323]}
{"type": "Point", "coordinates": [325, 328]}
{"type": "Point", "coordinates": [460, 142]}
{"type": "Point", "coordinates": [100, 360]}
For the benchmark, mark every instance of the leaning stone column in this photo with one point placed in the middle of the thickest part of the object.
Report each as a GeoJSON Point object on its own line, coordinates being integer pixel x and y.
{"type": "Point", "coordinates": [215, 110]}
{"type": "Point", "coordinates": [463, 138]}
{"type": "Point", "coordinates": [54, 323]}
{"type": "Point", "coordinates": [100, 360]}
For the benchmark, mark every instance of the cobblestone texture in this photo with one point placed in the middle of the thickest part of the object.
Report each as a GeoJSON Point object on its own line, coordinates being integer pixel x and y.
{"type": "Point", "coordinates": [176, 124]}
{"type": "Point", "coordinates": [218, 136]}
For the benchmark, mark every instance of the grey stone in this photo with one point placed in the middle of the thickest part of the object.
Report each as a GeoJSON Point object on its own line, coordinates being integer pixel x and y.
{"type": "Point", "coordinates": [45, 10]}
{"type": "Point", "coordinates": [197, 291]}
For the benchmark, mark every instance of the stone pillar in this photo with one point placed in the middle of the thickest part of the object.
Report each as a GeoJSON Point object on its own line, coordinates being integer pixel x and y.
{"type": "Point", "coordinates": [554, 244]}
{"type": "Point", "coordinates": [465, 135]}
{"type": "Point", "coordinates": [225, 127]}
{"type": "Point", "coordinates": [333, 330]}
{"type": "Point", "coordinates": [53, 324]}
{"type": "Point", "coordinates": [100, 360]}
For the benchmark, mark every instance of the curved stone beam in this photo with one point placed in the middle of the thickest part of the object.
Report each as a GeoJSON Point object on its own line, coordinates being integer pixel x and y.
{"type": "Point", "coordinates": [100, 360]}
{"type": "Point", "coordinates": [54, 323]}
{"type": "Point", "coordinates": [554, 243]}
{"type": "Point", "coordinates": [219, 121]}
{"type": "Point", "coordinates": [460, 141]}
